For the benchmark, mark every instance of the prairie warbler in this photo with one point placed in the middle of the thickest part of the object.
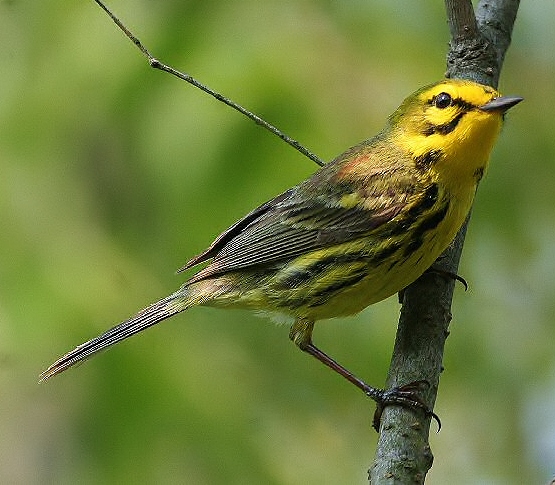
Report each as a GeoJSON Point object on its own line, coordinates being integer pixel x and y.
{"type": "Point", "coordinates": [360, 229]}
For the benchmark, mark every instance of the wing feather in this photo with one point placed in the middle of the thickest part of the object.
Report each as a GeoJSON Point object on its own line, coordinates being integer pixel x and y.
{"type": "Point", "coordinates": [278, 234]}
{"type": "Point", "coordinates": [308, 217]}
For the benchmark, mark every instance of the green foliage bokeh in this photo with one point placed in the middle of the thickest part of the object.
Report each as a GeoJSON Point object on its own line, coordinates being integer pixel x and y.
{"type": "Point", "coordinates": [112, 175]}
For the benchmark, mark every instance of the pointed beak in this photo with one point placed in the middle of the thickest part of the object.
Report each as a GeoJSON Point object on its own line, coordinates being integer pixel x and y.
{"type": "Point", "coordinates": [501, 104]}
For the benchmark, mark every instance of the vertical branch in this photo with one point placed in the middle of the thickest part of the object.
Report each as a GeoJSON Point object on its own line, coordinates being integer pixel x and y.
{"type": "Point", "coordinates": [476, 51]}
{"type": "Point", "coordinates": [461, 19]}
{"type": "Point", "coordinates": [496, 20]}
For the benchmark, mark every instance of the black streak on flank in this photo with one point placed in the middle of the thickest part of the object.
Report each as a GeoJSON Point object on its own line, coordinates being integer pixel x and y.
{"type": "Point", "coordinates": [304, 275]}
{"type": "Point", "coordinates": [424, 162]}
{"type": "Point", "coordinates": [429, 223]}
{"type": "Point", "coordinates": [322, 296]}
{"type": "Point", "coordinates": [427, 202]}
{"type": "Point", "coordinates": [479, 173]}
{"type": "Point", "coordinates": [403, 225]}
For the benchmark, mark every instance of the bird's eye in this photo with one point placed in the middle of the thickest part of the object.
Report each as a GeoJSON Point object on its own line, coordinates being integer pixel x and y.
{"type": "Point", "coordinates": [442, 100]}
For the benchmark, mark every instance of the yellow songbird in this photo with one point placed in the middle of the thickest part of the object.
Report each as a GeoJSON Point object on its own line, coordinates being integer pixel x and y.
{"type": "Point", "coordinates": [360, 229]}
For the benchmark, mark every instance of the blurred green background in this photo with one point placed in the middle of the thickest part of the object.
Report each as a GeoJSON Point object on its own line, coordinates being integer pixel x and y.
{"type": "Point", "coordinates": [112, 175]}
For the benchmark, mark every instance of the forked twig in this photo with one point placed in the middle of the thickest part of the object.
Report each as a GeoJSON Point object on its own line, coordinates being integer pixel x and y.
{"type": "Point", "coordinates": [156, 64]}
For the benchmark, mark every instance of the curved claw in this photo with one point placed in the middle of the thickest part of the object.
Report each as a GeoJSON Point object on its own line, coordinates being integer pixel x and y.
{"type": "Point", "coordinates": [449, 274]}
{"type": "Point", "coordinates": [406, 396]}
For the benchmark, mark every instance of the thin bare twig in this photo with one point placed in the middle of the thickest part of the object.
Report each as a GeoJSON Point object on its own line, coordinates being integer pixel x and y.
{"type": "Point", "coordinates": [156, 64]}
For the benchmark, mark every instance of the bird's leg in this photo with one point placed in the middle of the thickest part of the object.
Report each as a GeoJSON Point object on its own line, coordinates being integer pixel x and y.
{"type": "Point", "coordinates": [301, 335]}
{"type": "Point", "coordinates": [407, 396]}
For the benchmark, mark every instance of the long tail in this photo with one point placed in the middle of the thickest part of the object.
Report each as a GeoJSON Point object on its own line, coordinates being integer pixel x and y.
{"type": "Point", "coordinates": [151, 315]}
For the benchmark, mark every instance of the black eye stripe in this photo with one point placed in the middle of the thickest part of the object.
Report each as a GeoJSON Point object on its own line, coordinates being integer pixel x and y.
{"type": "Point", "coordinates": [461, 108]}
{"type": "Point", "coordinates": [464, 105]}
{"type": "Point", "coordinates": [459, 102]}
